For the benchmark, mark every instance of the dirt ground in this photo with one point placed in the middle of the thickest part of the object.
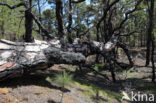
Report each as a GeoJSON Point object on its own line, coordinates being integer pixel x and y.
{"type": "Point", "coordinates": [35, 88]}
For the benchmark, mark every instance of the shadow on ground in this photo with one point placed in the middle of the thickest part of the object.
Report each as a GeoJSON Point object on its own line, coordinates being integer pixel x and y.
{"type": "Point", "coordinates": [88, 78]}
{"type": "Point", "coordinates": [38, 79]}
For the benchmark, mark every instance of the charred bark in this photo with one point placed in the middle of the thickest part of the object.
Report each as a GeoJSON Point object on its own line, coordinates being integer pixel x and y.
{"type": "Point", "coordinates": [28, 23]}
{"type": "Point", "coordinates": [59, 16]}
{"type": "Point", "coordinates": [19, 58]}
{"type": "Point", "coordinates": [106, 50]}
{"type": "Point", "coordinates": [152, 60]}
{"type": "Point", "coordinates": [125, 49]}
{"type": "Point", "coordinates": [149, 32]}
{"type": "Point", "coordinates": [28, 27]}
{"type": "Point", "coordinates": [70, 22]}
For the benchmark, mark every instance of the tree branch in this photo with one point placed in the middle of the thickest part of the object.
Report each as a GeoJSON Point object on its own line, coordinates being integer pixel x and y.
{"type": "Point", "coordinates": [14, 6]}
{"type": "Point", "coordinates": [126, 34]}
{"type": "Point", "coordinates": [77, 1]}
{"type": "Point", "coordinates": [41, 27]}
{"type": "Point", "coordinates": [105, 12]}
{"type": "Point", "coordinates": [126, 15]}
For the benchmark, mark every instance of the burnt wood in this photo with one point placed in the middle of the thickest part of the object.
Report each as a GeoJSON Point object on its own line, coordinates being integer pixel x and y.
{"type": "Point", "coordinates": [19, 58]}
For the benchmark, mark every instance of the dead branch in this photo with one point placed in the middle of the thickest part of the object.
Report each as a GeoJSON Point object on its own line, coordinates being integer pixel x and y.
{"type": "Point", "coordinates": [77, 1]}
{"type": "Point", "coordinates": [126, 16]}
{"type": "Point", "coordinates": [14, 6]}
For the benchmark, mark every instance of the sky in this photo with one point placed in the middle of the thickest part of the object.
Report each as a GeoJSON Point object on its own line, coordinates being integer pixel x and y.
{"type": "Point", "coordinates": [47, 6]}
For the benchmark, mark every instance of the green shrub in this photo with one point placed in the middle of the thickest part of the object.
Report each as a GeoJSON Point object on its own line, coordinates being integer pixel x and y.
{"type": "Point", "coordinates": [63, 79]}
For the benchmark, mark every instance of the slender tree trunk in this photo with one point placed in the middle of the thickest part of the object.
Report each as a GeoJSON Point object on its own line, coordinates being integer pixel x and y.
{"type": "Point", "coordinates": [59, 16]}
{"type": "Point", "coordinates": [141, 41]}
{"type": "Point", "coordinates": [153, 41]}
{"type": "Point", "coordinates": [3, 23]}
{"type": "Point", "coordinates": [77, 34]}
{"type": "Point", "coordinates": [28, 24]}
{"type": "Point", "coordinates": [145, 40]}
{"type": "Point", "coordinates": [152, 60]}
{"type": "Point", "coordinates": [98, 39]}
{"type": "Point", "coordinates": [134, 41]}
{"type": "Point", "coordinates": [39, 11]}
{"type": "Point", "coordinates": [2, 29]}
{"type": "Point", "coordinates": [112, 71]}
{"type": "Point", "coordinates": [97, 34]}
{"type": "Point", "coordinates": [70, 22]}
{"type": "Point", "coordinates": [149, 32]}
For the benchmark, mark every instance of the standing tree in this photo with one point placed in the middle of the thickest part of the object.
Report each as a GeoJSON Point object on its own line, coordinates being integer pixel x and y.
{"type": "Point", "coordinates": [59, 17]}
{"type": "Point", "coordinates": [10, 26]}
{"type": "Point", "coordinates": [69, 22]}
{"type": "Point", "coordinates": [28, 18]}
{"type": "Point", "coordinates": [150, 30]}
{"type": "Point", "coordinates": [28, 22]}
{"type": "Point", "coordinates": [49, 19]}
{"type": "Point", "coordinates": [150, 40]}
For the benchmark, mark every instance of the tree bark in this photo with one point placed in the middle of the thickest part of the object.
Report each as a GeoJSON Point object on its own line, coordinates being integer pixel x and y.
{"type": "Point", "coordinates": [149, 32]}
{"type": "Point", "coordinates": [152, 60]}
{"type": "Point", "coordinates": [28, 24]}
{"type": "Point", "coordinates": [28, 27]}
{"type": "Point", "coordinates": [59, 16]}
{"type": "Point", "coordinates": [70, 22]}
{"type": "Point", "coordinates": [39, 11]}
{"type": "Point", "coordinates": [28, 18]}
{"type": "Point", "coordinates": [19, 58]}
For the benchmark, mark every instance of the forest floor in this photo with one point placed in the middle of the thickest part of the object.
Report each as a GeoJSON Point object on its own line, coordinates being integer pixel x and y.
{"type": "Point", "coordinates": [88, 87]}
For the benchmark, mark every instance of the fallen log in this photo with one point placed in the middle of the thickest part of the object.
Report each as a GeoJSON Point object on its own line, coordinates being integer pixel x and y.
{"type": "Point", "coordinates": [19, 58]}
{"type": "Point", "coordinates": [92, 48]}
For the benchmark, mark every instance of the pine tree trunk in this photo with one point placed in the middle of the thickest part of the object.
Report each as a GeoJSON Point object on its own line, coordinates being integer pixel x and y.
{"type": "Point", "coordinates": [149, 32]}
{"type": "Point", "coordinates": [59, 17]}
{"type": "Point", "coordinates": [28, 24]}
{"type": "Point", "coordinates": [152, 60]}
{"type": "Point", "coordinates": [70, 23]}
{"type": "Point", "coordinates": [19, 58]}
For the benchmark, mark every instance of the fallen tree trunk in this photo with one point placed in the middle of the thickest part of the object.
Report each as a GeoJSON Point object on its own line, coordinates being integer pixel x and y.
{"type": "Point", "coordinates": [19, 58]}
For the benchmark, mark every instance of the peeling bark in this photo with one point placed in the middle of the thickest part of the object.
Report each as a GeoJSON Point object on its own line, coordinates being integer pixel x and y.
{"type": "Point", "coordinates": [19, 58]}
